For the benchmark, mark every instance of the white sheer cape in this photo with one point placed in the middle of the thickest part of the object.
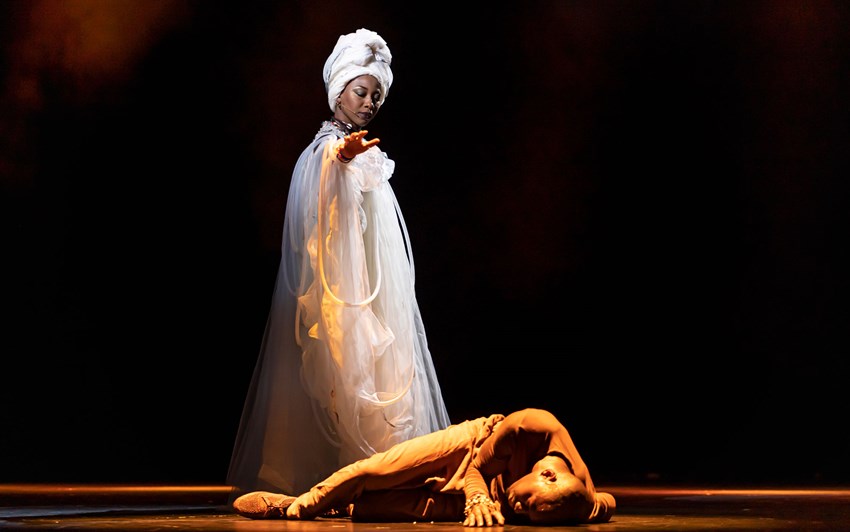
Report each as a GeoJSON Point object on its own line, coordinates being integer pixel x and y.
{"type": "Point", "coordinates": [344, 368]}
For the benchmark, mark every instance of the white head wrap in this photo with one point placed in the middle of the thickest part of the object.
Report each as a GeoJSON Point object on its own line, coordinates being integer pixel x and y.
{"type": "Point", "coordinates": [355, 54]}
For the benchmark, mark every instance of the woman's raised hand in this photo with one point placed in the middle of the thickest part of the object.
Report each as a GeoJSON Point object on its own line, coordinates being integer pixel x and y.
{"type": "Point", "coordinates": [354, 144]}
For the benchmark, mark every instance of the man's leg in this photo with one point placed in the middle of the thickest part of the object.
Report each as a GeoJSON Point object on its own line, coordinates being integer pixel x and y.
{"type": "Point", "coordinates": [407, 505]}
{"type": "Point", "coordinates": [429, 459]}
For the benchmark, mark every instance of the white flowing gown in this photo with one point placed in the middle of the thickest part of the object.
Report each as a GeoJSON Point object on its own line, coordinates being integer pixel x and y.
{"type": "Point", "coordinates": [344, 369]}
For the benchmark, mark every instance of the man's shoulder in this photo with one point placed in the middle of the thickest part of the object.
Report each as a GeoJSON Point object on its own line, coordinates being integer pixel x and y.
{"type": "Point", "coordinates": [533, 419]}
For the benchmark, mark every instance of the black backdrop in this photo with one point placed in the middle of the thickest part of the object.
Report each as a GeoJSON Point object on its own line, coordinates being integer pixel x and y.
{"type": "Point", "coordinates": [632, 213]}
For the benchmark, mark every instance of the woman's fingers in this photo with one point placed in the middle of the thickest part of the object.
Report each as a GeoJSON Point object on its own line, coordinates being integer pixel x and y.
{"type": "Point", "coordinates": [355, 144]}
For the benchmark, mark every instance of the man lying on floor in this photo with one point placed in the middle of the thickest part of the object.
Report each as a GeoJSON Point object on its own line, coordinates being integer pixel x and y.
{"type": "Point", "coordinates": [522, 468]}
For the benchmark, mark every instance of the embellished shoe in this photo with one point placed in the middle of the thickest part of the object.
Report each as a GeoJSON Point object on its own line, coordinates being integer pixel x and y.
{"type": "Point", "coordinates": [263, 505]}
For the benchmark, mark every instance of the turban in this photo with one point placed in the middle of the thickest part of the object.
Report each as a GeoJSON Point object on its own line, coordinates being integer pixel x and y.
{"type": "Point", "coordinates": [355, 54]}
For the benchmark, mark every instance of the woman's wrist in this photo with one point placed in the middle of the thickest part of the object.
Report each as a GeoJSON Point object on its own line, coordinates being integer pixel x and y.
{"type": "Point", "coordinates": [341, 157]}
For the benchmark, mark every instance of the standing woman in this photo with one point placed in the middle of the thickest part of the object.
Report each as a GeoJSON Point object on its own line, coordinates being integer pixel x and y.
{"type": "Point", "coordinates": [344, 369]}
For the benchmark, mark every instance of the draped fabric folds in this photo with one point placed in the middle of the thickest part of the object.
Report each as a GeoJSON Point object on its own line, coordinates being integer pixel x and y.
{"type": "Point", "coordinates": [344, 369]}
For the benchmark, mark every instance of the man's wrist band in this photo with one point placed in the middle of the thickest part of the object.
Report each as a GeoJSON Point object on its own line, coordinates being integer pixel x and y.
{"type": "Point", "coordinates": [478, 499]}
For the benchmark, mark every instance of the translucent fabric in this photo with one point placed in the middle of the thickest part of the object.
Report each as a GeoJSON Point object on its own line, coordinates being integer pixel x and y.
{"type": "Point", "coordinates": [344, 369]}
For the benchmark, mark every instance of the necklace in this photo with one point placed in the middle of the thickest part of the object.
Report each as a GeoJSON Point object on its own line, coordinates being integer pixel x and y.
{"type": "Point", "coordinates": [344, 126]}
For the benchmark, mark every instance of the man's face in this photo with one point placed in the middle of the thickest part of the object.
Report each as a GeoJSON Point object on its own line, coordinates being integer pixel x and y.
{"type": "Point", "coordinates": [550, 493]}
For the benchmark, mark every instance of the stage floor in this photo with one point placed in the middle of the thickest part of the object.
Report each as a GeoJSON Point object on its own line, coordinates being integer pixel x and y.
{"type": "Point", "coordinates": [199, 508]}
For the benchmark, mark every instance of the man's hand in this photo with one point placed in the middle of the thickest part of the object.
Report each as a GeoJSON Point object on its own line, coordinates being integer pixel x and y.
{"type": "Point", "coordinates": [482, 511]}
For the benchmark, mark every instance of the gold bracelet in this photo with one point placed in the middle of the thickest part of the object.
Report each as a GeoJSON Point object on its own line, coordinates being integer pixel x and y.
{"type": "Point", "coordinates": [478, 499]}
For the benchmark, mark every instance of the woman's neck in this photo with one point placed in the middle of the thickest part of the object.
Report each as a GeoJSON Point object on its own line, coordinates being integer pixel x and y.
{"type": "Point", "coordinates": [343, 125]}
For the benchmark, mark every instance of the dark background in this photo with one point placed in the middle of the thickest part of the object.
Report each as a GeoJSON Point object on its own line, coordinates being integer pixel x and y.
{"type": "Point", "coordinates": [632, 213]}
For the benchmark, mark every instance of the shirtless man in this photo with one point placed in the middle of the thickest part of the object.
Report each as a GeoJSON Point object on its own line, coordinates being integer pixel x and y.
{"type": "Point", "coordinates": [522, 468]}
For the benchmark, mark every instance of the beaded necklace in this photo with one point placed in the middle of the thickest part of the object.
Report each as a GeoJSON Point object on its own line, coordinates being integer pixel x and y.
{"type": "Point", "coordinates": [343, 126]}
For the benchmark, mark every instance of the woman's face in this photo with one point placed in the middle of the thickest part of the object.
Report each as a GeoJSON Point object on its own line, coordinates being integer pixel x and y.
{"type": "Point", "coordinates": [550, 493]}
{"type": "Point", "coordinates": [357, 104]}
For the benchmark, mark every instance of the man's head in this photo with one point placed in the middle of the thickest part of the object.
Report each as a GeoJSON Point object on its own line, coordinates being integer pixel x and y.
{"type": "Point", "coordinates": [550, 494]}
